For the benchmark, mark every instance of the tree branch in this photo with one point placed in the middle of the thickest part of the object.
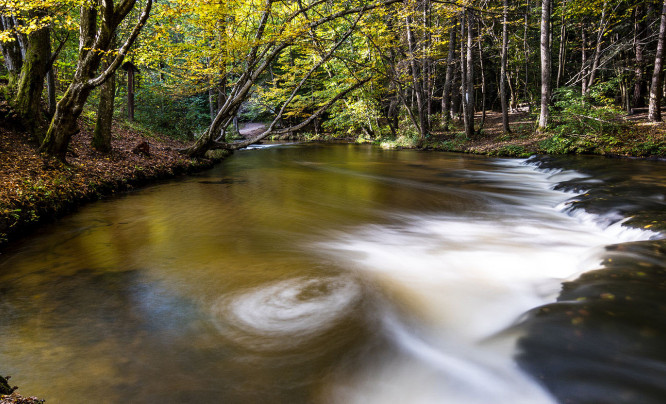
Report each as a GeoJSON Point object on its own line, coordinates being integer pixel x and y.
{"type": "Point", "coordinates": [123, 49]}
{"type": "Point", "coordinates": [240, 145]}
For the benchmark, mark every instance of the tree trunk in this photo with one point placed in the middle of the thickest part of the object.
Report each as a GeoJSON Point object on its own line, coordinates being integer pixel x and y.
{"type": "Point", "coordinates": [130, 93]}
{"type": "Point", "coordinates": [63, 125]}
{"type": "Point", "coordinates": [638, 95]}
{"type": "Point", "coordinates": [563, 49]}
{"type": "Point", "coordinates": [50, 92]}
{"type": "Point", "coordinates": [102, 135]}
{"type": "Point", "coordinates": [446, 93]}
{"type": "Point", "coordinates": [654, 108]}
{"type": "Point", "coordinates": [597, 49]}
{"type": "Point", "coordinates": [212, 105]}
{"type": "Point", "coordinates": [464, 104]}
{"type": "Point", "coordinates": [526, 51]}
{"type": "Point", "coordinates": [503, 78]}
{"type": "Point", "coordinates": [483, 84]}
{"type": "Point", "coordinates": [12, 52]}
{"type": "Point", "coordinates": [27, 102]}
{"type": "Point", "coordinates": [545, 63]}
{"type": "Point", "coordinates": [468, 80]}
{"type": "Point", "coordinates": [583, 55]}
{"type": "Point", "coordinates": [418, 83]}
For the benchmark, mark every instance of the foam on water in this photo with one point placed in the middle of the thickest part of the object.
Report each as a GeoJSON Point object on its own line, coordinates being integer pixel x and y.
{"type": "Point", "coordinates": [284, 314]}
{"type": "Point", "coordinates": [456, 282]}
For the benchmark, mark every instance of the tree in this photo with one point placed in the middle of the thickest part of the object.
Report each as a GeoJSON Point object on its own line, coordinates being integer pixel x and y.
{"type": "Point", "coordinates": [546, 87]}
{"type": "Point", "coordinates": [467, 71]}
{"type": "Point", "coordinates": [35, 65]}
{"type": "Point", "coordinates": [275, 31]}
{"type": "Point", "coordinates": [505, 49]}
{"type": "Point", "coordinates": [448, 80]}
{"type": "Point", "coordinates": [98, 26]}
{"type": "Point", "coordinates": [654, 107]}
{"type": "Point", "coordinates": [102, 134]}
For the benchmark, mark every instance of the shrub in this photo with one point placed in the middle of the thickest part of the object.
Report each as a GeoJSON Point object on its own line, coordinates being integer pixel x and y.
{"type": "Point", "coordinates": [584, 123]}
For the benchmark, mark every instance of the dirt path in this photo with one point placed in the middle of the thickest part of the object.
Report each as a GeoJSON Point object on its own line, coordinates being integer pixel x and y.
{"type": "Point", "coordinates": [252, 129]}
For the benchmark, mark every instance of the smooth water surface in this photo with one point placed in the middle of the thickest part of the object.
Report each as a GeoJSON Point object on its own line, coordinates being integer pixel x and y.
{"type": "Point", "coordinates": [305, 273]}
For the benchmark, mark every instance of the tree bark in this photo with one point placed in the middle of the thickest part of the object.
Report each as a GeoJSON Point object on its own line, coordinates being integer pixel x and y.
{"type": "Point", "coordinates": [503, 62]}
{"type": "Point", "coordinates": [102, 135]}
{"type": "Point", "coordinates": [418, 82]}
{"type": "Point", "coordinates": [468, 75]}
{"type": "Point", "coordinates": [563, 49]}
{"type": "Point", "coordinates": [526, 51]}
{"type": "Point", "coordinates": [483, 84]}
{"type": "Point", "coordinates": [545, 64]}
{"type": "Point", "coordinates": [27, 102]}
{"type": "Point", "coordinates": [130, 93]}
{"type": "Point", "coordinates": [638, 94]}
{"type": "Point", "coordinates": [583, 55]}
{"type": "Point", "coordinates": [654, 107]}
{"type": "Point", "coordinates": [446, 93]}
{"type": "Point", "coordinates": [597, 49]}
{"type": "Point", "coordinates": [12, 52]}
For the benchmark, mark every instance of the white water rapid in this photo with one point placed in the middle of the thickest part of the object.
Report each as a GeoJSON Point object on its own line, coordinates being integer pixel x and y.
{"type": "Point", "coordinates": [453, 285]}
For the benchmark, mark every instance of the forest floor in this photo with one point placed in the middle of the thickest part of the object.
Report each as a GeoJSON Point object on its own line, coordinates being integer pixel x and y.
{"type": "Point", "coordinates": [34, 188]}
{"type": "Point", "coordinates": [634, 137]}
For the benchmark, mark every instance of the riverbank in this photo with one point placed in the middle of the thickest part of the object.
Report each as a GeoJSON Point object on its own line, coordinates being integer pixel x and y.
{"type": "Point", "coordinates": [35, 189]}
{"type": "Point", "coordinates": [630, 136]}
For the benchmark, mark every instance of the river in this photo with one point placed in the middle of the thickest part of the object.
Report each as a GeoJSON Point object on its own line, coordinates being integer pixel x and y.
{"type": "Point", "coordinates": [350, 274]}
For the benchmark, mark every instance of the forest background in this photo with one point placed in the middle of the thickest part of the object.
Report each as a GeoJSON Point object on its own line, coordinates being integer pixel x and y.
{"type": "Point", "coordinates": [99, 95]}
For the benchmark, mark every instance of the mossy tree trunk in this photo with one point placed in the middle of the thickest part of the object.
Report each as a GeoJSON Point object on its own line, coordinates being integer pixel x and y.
{"type": "Point", "coordinates": [36, 64]}
{"type": "Point", "coordinates": [102, 135]}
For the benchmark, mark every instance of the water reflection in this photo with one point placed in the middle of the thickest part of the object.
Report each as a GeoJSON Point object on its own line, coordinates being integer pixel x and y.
{"type": "Point", "coordinates": [326, 274]}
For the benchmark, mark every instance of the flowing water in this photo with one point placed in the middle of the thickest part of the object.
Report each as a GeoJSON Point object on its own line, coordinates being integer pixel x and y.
{"type": "Point", "coordinates": [349, 274]}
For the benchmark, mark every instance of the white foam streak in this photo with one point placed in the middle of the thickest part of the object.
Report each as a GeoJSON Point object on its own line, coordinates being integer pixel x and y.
{"type": "Point", "coordinates": [464, 279]}
{"type": "Point", "coordinates": [431, 373]}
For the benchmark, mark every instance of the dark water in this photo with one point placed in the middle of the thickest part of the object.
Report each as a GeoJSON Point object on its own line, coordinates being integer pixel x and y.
{"type": "Point", "coordinates": [344, 274]}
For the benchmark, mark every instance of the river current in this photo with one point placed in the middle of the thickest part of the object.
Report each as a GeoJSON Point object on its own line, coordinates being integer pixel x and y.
{"type": "Point", "coordinates": [350, 274]}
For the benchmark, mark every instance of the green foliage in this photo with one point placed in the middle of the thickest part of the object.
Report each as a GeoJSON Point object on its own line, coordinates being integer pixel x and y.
{"type": "Point", "coordinates": [583, 124]}
{"type": "Point", "coordinates": [178, 117]}
{"type": "Point", "coordinates": [454, 144]}
{"type": "Point", "coordinates": [403, 141]}
{"type": "Point", "coordinates": [511, 151]}
{"type": "Point", "coordinates": [650, 147]}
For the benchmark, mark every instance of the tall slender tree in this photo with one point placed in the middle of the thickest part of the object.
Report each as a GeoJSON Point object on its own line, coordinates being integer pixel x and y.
{"type": "Point", "coordinates": [546, 87]}
{"type": "Point", "coordinates": [448, 80]}
{"type": "Point", "coordinates": [503, 62]}
{"type": "Point", "coordinates": [654, 107]}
